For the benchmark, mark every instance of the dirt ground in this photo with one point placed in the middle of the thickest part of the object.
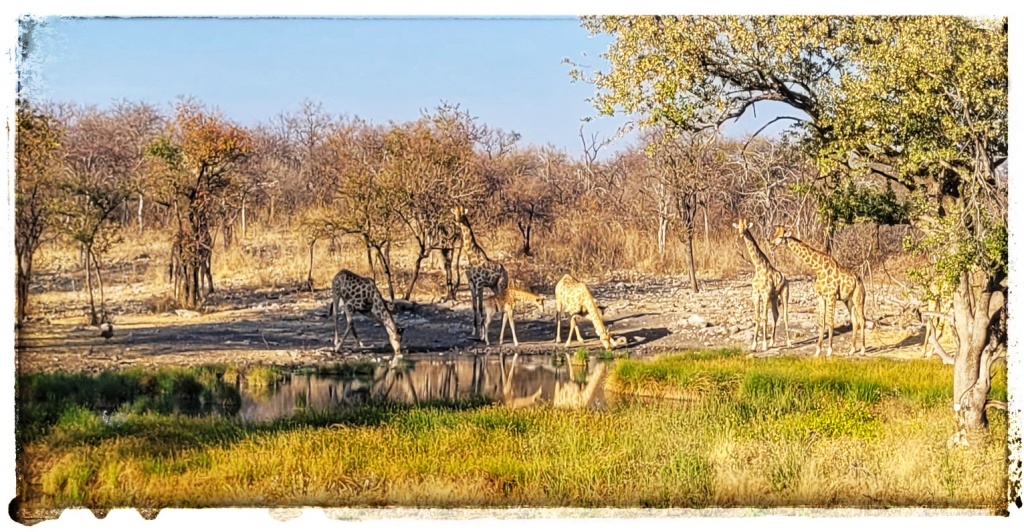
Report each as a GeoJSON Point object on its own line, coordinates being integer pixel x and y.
{"type": "Point", "coordinates": [291, 326]}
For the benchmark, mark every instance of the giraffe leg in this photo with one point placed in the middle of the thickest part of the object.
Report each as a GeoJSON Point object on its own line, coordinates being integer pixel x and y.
{"type": "Point", "coordinates": [511, 326]}
{"type": "Point", "coordinates": [830, 315]}
{"type": "Point", "coordinates": [821, 324]}
{"type": "Point", "coordinates": [504, 320]}
{"type": "Point", "coordinates": [784, 296]}
{"type": "Point", "coordinates": [572, 325]}
{"type": "Point", "coordinates": [488, 313]}
{"type": "Point", "coordinates": [576, 326]}
{"type": "Point", "coordinates": [478, 304]}
{"type": "Point", "coordinates": [337, 316]}
{"type": "Point", "coordinates": [773, 317]}
{"type": "Point", "coordinates": [862, 324]}
{"type": "Point", "coordinates": [761, 329]}
{"type": "Point", "coordinates": [558, 322]}
{"type": "Point", "coordinates": [349, 329]}
{"type": "Point", "coordinates": [757, 322]}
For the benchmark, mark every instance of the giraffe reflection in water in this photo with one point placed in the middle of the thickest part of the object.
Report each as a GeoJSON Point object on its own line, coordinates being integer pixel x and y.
{"type": "Point", "coordinates": [513, 380]}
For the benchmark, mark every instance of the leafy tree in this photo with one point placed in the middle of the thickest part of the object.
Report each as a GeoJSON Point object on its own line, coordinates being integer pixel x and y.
{"type": "Point", "coordinates": [925, 108]}
{"type": "Point", "coordinates": [917, 103]}
{"type": "Point", "coordinates": [434, 163]}
{"type": "Point", "coordinates": [367, 197]}
{"type": "Point", "coordinates": [102, 154]}
{"type": "Point", "coordinates": [36, 165]}
{"type": "Point", "coordinates": [195, 163]}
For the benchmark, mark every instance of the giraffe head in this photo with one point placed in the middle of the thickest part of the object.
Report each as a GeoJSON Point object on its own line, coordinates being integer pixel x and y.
{"type": "Point", "coordinates": [538, 301]}
{"type": "Point", "coordinates": [460, 214]}
{"type": "Point", "coordinates": [780, 235]}
{"type": "Point", "coordinates": [394, 335]}
{"type": "Point", "coordinates": [742, 224]}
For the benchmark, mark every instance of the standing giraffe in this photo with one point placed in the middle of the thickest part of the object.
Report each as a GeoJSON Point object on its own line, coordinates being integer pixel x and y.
{"type": "Point", "coordinates": [359, 294]}
{"type": "Point", "coordinates": [574, 299]}
{"type": "Point", "coordinates": [481, 272]}
{"type": "Point", "coordinates": [507, 303]}
{"type": "Point", "coordinates": [833, 282]}
{"type": "Point", "coordinates": [768, 288]}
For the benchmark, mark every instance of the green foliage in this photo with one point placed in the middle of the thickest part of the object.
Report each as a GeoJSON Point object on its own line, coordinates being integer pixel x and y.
{"type": "Point", "coordinates": [849, 203]}
{"type": "Point", "coordinates": [45, 399]}
{"type": "Point", "coordinates": [263, 376]}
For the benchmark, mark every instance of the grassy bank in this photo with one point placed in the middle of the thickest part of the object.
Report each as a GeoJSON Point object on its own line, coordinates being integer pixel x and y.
{"type": "Point", "coordinates": [815, 434]}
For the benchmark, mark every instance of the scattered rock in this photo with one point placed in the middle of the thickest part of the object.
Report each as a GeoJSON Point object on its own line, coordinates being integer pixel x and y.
{"type": "Point", "coordinates": [185, 313]}
{"type": "Point", "coordinates": [698, 321]}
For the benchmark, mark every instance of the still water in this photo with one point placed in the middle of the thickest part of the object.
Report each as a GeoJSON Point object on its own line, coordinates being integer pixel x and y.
{"type": "Point", "coordinates": [514, 380]}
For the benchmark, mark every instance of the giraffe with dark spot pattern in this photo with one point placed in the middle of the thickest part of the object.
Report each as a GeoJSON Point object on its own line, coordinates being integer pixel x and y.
{"type": "Point", "coordinates": [481, 272]}
{"type": "Point", "coordinates": [359, 294]}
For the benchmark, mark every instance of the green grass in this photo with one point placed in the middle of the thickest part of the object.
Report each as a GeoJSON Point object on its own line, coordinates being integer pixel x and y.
{"type": "Point", "coordinates": [766, 432]}
{"type": "Point", "coordinates": [43, 398]}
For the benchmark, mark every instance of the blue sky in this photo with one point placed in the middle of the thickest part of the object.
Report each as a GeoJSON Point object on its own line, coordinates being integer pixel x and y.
{"type": "Point", "coordinates": [507, 72]}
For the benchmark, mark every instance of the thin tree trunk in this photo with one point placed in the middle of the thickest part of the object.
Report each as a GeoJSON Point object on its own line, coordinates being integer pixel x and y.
{"type": "Point", "coordinates": [309, 275]}
{"type": "Point", "coordinates": [243, 219]}
{"type": "Point", "coordinates": [88, 282]}
{"type": "Point", "coordinates": [416, 271]}
{"type": "Point", "coordinates": [689, 260]}
{"type": "Point", "coordinates": [385, 263]}
{"type": "Point", "coordinates": [99, 280]}
{"type": "Point", "coordinates": [707, 244]}
{"type": "Point", "coordinates": [140, 213]}
{"type": "Point", "coordinates": [662, 234]}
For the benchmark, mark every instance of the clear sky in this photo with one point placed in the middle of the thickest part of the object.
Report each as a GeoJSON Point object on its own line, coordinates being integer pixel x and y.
{"type": "Point", "coordinates": [507, 72]}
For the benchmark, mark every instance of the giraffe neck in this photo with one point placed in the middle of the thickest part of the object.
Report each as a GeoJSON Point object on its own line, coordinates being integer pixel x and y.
{"type": "Point", "coordinates": [595, 315]}
{"type": "Point", "coordinates": [474, 253]}
{"type": "Point", "coordinates": [814, 259]}
{"type": "Point", "coordinates": [759, 259]}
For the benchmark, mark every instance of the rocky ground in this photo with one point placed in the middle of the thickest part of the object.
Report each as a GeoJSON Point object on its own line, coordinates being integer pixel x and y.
{"type": "Point", "coordinates": [290, 326]}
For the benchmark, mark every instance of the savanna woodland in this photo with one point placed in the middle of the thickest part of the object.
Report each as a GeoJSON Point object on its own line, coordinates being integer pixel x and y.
{"type": "Point", "coordinates": [176, 281]}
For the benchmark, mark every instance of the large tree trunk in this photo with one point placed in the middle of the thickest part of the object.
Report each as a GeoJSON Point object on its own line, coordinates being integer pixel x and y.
{"type": "Point", "coordinates": [978, 303]}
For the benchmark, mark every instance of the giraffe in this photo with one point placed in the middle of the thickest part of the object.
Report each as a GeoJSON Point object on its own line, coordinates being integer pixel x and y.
{"type": "Point", "coordinates": [832, 282]}
{"type": "Point", "coordinates": [935, 304]}
{"type": "Point", "coordinates": [506, 302]}
{"type": "Point", "coordinates": [573, 298]}
{"type": "Point", "coordinates": [768, 288]}
{"type": "Point", "coordinates": [359, 294]}
{"type": "Point", "coordinates": [481, 272]}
